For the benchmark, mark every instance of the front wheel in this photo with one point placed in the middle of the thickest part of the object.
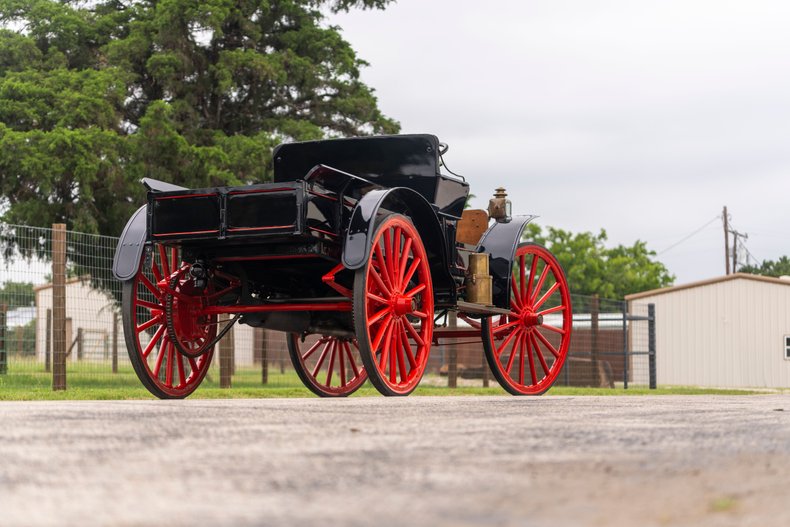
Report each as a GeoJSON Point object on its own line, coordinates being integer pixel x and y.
{"type": "Point", "coordinates": [526, 349]}
{"type": "Point", "coordinates": [393, 307]}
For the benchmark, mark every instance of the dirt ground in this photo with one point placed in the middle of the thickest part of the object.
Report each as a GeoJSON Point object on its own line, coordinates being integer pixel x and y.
{"type": "Point", "coordinates": [433, 461]}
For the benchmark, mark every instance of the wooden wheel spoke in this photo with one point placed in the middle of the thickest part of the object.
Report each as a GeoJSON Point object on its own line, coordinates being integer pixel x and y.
{"type": "Point", "coordinates": [528, 350]}
{"type": "Point", "coordinates": [551, 310]}
{"type": "Point", "coordinates": [407, 346]}
{"type": "Point", "coordinates": [150, 305]}
{"type": "Point", "coordinates": [153, 341]}
{"type": "Point", "coordinates": [321, 358]}
{"type": "Point", "coordinates": [341, 362]}
{"type": "Point", "coordinates": [521, 271]}
{"type": "Point", "coordinates": [404, 375]}
{"type": "Point", "coordinates": [508, 339]}
{"type": "Point", "coordinates": [539, 285]}
{"type": "Point", "coordinates": [416, 290]}
{"type": "Point", "coordinates": [416, 336]}
{"type": "Point", "coordinates": [182, 378]}
{"type": "Point", "coordinates": [379, 315]}
{"type": "Point", "coordinates": [161, 355]}
{"type": "Point", "coordinates": [513, 352]}
{"type": "Point", "coordinates": [386, 286]}
{"type": "Point", "coordinates": [145, 325]}
{"type": "Point", "coordinates": [415, 264]}
{"type": "Point", "coordinates": [396, 256]}
{"type": "Point", "coordinates": [420, 314]}
{"type": "Point", "coordinates": [376, 344]}
{"type": "Point", "coordinates": [515, 300]}
{"type": "Point", "coordinates": [351, 361]}
{"type": "Point", "coordinates": [404, 261]}
{"type": "Point", "coordinates": [552, 328]}
{"type": "Point", "coordinates": [539, 353]}
{"type": "Point", "coordinates": [546, 295]}
{"type": "Point", "coordinates": [169, 367]}
{"type": "Point", "coordinates": [389, 256]}
{"type": "Point", "coordinates": [151, 287]}
{"type": "Point", "coordinates": [532, 270]}
{"type": "Point", "coordinates": [386, 349]}
{"type": "Point", "coordinates": [377, 298]}
{"type": "Point", "coordinates": [548, 345]}
{"type": "Point", "coordinates": [502, 328]}
{"type": "Point", "coordinates": [313, 348]}
{"type": "Point", "coordinates": [332, 356]}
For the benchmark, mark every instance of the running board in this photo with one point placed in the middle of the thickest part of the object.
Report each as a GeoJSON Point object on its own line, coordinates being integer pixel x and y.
{"type": "Point", "coordinates": [480, 309]}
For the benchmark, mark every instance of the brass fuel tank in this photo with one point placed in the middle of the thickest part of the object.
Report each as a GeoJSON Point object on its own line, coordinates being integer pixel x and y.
{"type": "Point", "coordinates": [478, 280]}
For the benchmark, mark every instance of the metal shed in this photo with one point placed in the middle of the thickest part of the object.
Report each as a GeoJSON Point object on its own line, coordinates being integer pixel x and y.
{"type": "Point", "coordinates": [731, 331]}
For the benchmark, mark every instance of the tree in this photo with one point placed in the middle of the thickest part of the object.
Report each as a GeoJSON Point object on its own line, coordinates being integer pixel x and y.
{"type": "Point", "coordinates": [16, 294]}
{"type": "Point", "coordinates": [780, 267]}
{"type": "Point", "coordinates": [95, 95]}
{"type": "Point", "coordinates": [593, 268]}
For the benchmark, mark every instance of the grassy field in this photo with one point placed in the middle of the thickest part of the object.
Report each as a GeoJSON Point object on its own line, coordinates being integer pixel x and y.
{"type": "Point", "coordinates": [28, 381]}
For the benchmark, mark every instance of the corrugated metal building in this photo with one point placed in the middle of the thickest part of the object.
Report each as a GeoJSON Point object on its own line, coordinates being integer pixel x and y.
{"type": "Point", "coordinates": [732, 331]}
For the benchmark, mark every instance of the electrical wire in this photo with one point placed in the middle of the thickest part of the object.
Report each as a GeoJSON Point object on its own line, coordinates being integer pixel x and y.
{"type": "Point", "coordinates": [717, 217]}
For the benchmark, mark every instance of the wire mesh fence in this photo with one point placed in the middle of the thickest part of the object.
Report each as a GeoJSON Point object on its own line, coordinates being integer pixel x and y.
{"type": "Point", "coordinates": [76, 338]}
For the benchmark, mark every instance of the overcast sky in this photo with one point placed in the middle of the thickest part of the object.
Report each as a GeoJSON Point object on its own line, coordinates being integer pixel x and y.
{"type": "Point", "coordinates": [640, 117]}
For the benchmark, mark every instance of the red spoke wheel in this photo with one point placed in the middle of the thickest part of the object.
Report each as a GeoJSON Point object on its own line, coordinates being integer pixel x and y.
{"type": "Point", "coordinates": [527, 348]}
{"type": "Point", "coordinates": [328, 366]}
{"type": "Point", "coordinates": [393, 308]}
{"type": "Point", "coordinates": [164, 371]}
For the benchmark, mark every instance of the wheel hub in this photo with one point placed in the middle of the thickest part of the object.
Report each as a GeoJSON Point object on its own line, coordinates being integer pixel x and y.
{"type": "Point", "coordinates": [403, 305]}
{"type": "Point", "coordinates": [531, 319]}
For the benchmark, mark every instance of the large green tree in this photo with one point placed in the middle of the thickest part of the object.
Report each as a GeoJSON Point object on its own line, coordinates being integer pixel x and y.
{"type": "Point", "coordinates": [97, 94]}
{"type": "Point", "coordinates": [780, 267]}
{"type": "Point", "coordinates": [593, 268]}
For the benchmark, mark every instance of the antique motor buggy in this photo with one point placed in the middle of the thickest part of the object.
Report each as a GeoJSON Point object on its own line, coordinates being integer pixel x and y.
{"type": "Point", "coordinates": [361, 246]}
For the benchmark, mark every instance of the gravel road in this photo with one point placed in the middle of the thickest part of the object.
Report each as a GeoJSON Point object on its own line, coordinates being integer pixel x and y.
{"type": "Point", "coordinates": [432, 461]}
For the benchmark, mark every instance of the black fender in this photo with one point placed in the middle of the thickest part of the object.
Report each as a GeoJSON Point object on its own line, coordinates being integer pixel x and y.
{"type": "Point", "coordinates": [130, 247]}
{"type": "Point", "coordinates": [358, 240]}
{"type": "Point", "coordinates": [129, 251]}
{"type": "Point", "coordinates": [500, 242]}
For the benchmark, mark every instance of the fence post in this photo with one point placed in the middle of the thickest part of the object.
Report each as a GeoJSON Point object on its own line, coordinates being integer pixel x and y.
{"type": "Point", "coordinates": [225, 351]}
{"type": "Point", "coordinates": [3, 350]}
{"type": "Point", "coordinates": [625, 344]}
{"type": "Point", "coordinates": [59, 306]}
{"type": "Point", "coordinates": [80, 343]}
{"type": "Point", "coordinates": [261, 341]}
{"type": "Point", "coordinates": [115, 342]}
{"type": "Point", "coordinates": [48, 343]}
{"type": "Point", "coordinates": [594, 311]}
{"type": "Point", "coordinates": [651, 343]}
{"type": "Point", "coordinates": [452, 359]}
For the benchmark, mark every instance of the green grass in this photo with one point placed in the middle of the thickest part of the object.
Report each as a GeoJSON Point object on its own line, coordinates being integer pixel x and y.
{"type": "Point", "coordinates": [28, 381]}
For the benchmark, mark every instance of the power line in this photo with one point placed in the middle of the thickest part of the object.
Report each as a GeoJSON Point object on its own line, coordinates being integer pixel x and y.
{"type": "Point", "coordinates": [697, 231]}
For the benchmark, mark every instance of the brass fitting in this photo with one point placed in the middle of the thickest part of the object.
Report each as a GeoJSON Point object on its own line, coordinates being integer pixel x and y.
{"type": "Point", "coordinates": [478, 280]}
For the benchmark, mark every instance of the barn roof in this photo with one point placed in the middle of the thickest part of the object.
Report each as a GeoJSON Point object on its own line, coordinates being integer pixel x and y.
{"type": "Point", "coordinates": [710, 281]}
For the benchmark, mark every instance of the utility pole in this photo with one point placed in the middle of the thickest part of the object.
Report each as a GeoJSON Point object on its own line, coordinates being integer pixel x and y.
{"type": "Point", "coordinates": [726, 240]}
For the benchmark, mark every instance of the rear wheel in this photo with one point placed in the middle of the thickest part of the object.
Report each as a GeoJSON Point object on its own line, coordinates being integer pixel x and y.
{"type": "Point", "coordinates": [328, 366]}
{"type": "Point", "coordinates": [152, 346]}
{"type": "Point", "coordinates": [527, 348]}
{"type": "Point", "coordinates": [393, 308]}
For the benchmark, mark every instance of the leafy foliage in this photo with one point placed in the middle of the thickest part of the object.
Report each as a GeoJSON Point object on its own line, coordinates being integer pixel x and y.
{"type": "Point", "coordinates": [780, 267]}
{"type": "Point", "coordinates": [15, 294]}
{"type": "Point", "coordinates": [96, 95]}
{"type": "Point", "coordinates": [593, 268]}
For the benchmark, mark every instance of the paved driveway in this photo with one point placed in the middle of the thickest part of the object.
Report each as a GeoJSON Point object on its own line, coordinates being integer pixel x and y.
{"type": "Point", "coordinates": [433, 461]}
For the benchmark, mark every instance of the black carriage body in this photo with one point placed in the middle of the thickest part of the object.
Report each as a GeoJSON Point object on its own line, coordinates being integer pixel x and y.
{"type": "Point", "coordinates": [282, 238]}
